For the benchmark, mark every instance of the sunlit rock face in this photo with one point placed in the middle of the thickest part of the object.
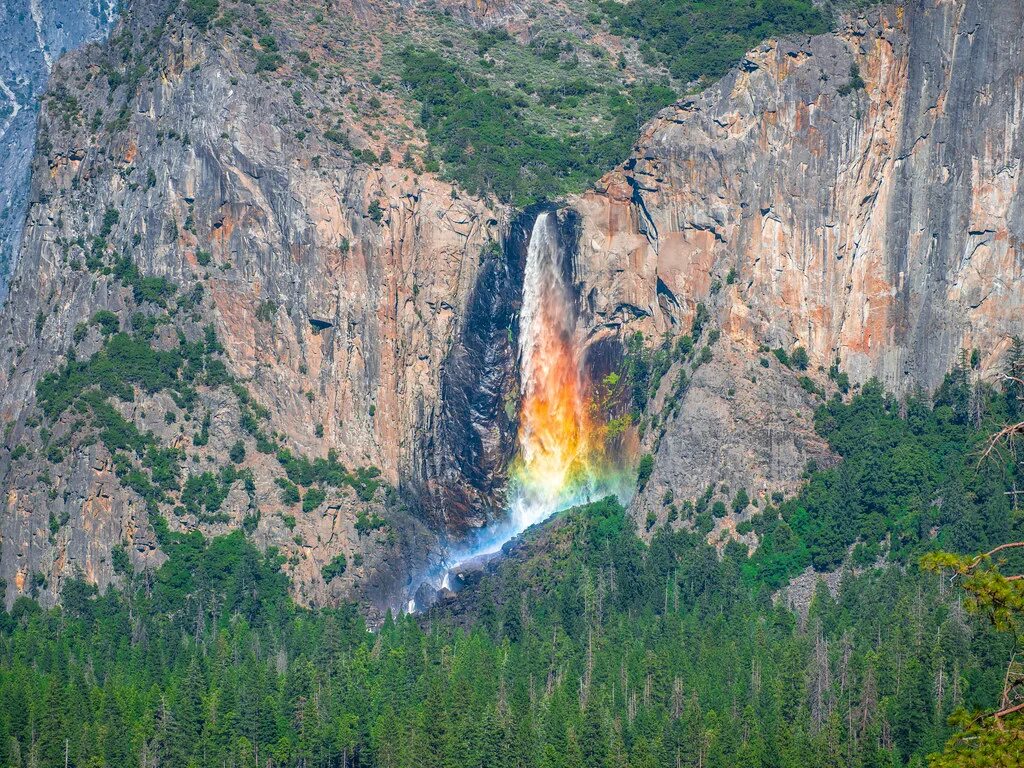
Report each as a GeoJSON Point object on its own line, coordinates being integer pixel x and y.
{"type": "Point", "coordinates": [337, 314]}
{"type": "Point", "coordinates": [375, 309]}
{"type": "Point", "coordinates": [857, 194]}
{"type": "Point", "coordinates": [880, 224]}
{"type": "Point", "coordinates": [33, 35]}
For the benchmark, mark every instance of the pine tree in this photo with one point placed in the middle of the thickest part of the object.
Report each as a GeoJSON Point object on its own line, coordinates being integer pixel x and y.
{"type": "Point", "coordinates": [186, 713]}
{"type": "Point", "coordinates": [1013, 372]}
{"type": "Point", "coordinates": [52, 731]}
{"type": "Point", "coordinates": [117, 751]}
{"type": "Point", "coordinates": [594, 741]}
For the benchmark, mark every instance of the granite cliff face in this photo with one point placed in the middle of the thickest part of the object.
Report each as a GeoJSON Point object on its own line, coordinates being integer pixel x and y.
{"type": "Point", "coordinates": [335, 287]}
{"type": "Point", "coordinates": [33, 35]}
{"type": "Point", "coordinates": [853, 193]}
{"type": "Point", "coordinates": [856, 194]}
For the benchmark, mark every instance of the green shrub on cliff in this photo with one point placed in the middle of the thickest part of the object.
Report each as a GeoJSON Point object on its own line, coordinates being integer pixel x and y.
{"type": "Point", "coordinates": [204, 493]}
{"type": "Point", "coordinates": [124, 362]}
{"type": "Point", "coordinates": [289, 491]}
{"type": "Point", "coordinates": [334, 568]}
{"type": "Point", "coordinates": [201, 12]}
{"type": "Point", "coordinates": [644, 470]}
{"type": "Point", "coordinates": [489, 143]}
{"type": "Point", "coordinates": [107, 321]}
{"type": "Point", "coordinates": [702, 39]}
{"type": "Point", "coordinates": [314, 498]}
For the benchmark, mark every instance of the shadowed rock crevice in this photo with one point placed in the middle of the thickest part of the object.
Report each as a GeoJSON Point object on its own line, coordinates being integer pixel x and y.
{"type": "Point", "coordinates": [465, 461]}
{"type": "Point", "coordinates": [465, 458]}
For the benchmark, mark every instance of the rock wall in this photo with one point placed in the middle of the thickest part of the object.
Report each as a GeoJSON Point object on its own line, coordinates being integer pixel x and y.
{"type": "Point", "coordinates": [335, 287]}
{"type": "Point", "coordinates": [856, 194]}
{"type": "Point", "coordinates": [466, 454]}
{"type": "Point", "coordinates": [853, 193]}
{"type": "Point", "coordinates": [33, 35]}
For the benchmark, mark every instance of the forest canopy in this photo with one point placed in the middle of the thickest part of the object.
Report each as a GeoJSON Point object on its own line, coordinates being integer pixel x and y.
{"type": "Point", "coordinates": [702, 39]}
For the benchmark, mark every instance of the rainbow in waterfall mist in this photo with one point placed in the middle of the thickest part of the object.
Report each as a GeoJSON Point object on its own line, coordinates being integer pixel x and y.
{"type": "Point", "coordinates": [559, 451]}
{"type": "Point", "coordinates": [561, 459]}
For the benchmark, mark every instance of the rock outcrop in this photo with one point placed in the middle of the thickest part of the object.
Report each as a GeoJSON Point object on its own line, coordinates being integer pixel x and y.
{"type": "Point", "coordinates": [33, 35]}
{"type": "Point", "coordinates": [857, 194]}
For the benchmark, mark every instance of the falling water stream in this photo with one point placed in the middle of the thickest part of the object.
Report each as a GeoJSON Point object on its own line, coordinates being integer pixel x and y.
{"type": "Point", "coordinates": [556, 465]}
{"type": "Point", "coordinates": [560, 461]}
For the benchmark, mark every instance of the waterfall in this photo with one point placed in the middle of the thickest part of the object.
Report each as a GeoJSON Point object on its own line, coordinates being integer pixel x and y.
{"type": "Point", "coordinates": [554, 433]}
{"type": "Point", "coordinates": [561, 460]}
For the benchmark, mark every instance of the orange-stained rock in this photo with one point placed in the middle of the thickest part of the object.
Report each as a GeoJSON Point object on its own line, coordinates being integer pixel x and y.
{"type": "Point", "coordinates": [878, 227]}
